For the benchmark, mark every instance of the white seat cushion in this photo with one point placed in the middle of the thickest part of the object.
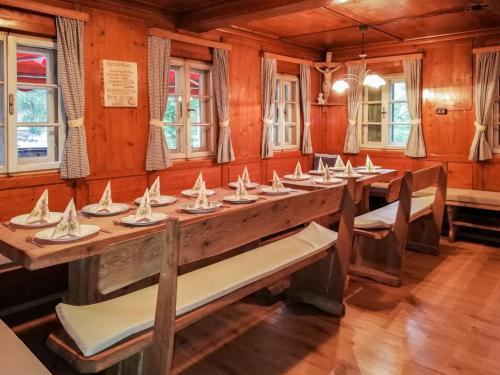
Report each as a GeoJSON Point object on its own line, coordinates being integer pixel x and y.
{"type": "Point", "coordinates": [101, 325]}
{"type": "Point", "coordinates": [491, 198]}
{"type": "Point", "coordinates": [385, 217]}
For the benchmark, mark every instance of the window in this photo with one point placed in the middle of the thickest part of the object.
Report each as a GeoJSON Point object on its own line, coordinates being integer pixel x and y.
{"type": "Point", "coordinates": [286, 122]}
{"type": "Point", "coordinates": [384, 118]}
{"type": "Point", "coordinates": [31, 123]}
{"type": "Point", "coordinates": [190, 129]}
{"type": "Point", "coordinates": [494, 130]}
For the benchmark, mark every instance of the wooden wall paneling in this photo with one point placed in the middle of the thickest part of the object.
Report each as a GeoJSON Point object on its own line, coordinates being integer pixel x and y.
{"type": "Point", "coordinates": [490, 173]}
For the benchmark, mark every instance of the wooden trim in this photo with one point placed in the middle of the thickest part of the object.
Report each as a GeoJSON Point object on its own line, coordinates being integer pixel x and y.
{"type": "Point", "coordinates": [294, 60]}
{"type": "Point", "coordinates": [386, 59]}
{"type": "Point", "coordinates": [35, 6]}
{"type": "Point", "coordinates": [486, 49]}
{"type": "Point", "coordinates": [188, 39]}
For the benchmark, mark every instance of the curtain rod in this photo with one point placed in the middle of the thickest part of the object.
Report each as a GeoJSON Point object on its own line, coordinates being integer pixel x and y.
{"type": "Point", "coordinates": [486, 49]}
{"type": "Point", "coordinates": [294, 60]}
{"type": "Point", "coordinates": [188, 39]}
{"type": "Point", "coordinates": [411, 56]}
{"type": "Point", "coordinates": [46, 9]}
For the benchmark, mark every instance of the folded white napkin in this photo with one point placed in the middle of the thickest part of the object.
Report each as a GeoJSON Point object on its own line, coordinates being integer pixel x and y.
{"type": "Point", "coordinates": [298, 171]}
{"type": "Point", "coordinates": [144, 212]}
{"type": "Point", "coordinates": [198, 183]}
{"type": "Point", "coordinates": [202, 200]}
{"type": "Point", "coordinates": [368, 164]}
{"type": "Point", "coordinates": [321, 165]}
{"type": "Point", "coordinates": [349, 170]}
{"type": "Point", "coordinates": [241, 192]}
{"type": "Point", "coordinates": [327, 177]}
{"type": "Point", "coordinates": [339, 164]}
{"type": "Point", "coordinates": [277, 184]}
{"type": "Point", "coordinates": [246, 177]}
{"type": "Point", "coordinates": [154, 191]}
{"type": "Point", "coordinates": [106, 201]}
{"type": "Point", "coordinates": [68, 226]}
{"type": "Point", "coordinates": [40, 212]}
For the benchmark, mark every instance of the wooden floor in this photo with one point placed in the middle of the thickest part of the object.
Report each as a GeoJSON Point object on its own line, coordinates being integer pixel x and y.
{"type": "Point", "coordinates": [444, 320]}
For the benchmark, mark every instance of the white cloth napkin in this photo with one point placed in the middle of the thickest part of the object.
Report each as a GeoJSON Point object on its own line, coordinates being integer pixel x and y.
{"type": "Point", "coordinates": [202, 200]}
{"type": "Point", "coordinates": [368, 164]}
{"type": "Point", "coordinates": [277, 184]}
{"type": "Point", "coordinates": [69, 225]}
{"type": "Point", "coordinates": [106, 200]}
{"type": "Point", "coordinates": [339, 164]}
{"type": "Point", "coordinates": [349, 170]}
{"type": "Point", "coordinates": [327, 177]}
{"type": "Point", "coordinates": [241, 192]}
{"type": "Point", "coordinates": [198, 183]}
{"type": "Point", "coordinates": [40, 212]}
{"type": "Point", "coordinates": [321, 165]}
{"type": "Point", "coordinates": [144, 212]}
{"type": "Point", "coordinates": [298, 171]}
{"type": "Point", "coordinates": [246, 177]}
{"type": "Point", "coordinates": [154, 191]}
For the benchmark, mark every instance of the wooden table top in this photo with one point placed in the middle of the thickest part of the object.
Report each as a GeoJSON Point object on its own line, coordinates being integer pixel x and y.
{"type": "Point", "coordinates": [14, 246]}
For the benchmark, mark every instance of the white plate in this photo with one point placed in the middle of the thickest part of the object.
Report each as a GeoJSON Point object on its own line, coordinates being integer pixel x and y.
{"type": "Point", "coordinates": [189, 207]}
{"type": "Point", "coordinates": [363, 167]}
{"type": "Point", "coordinates": [116, 208]}
{"type": "Point", "coordinates": [250, 186]}
{"type": "Point", "coordinates": [232, 199]}
{"type": "Point", "coordinates": [316, 172]}
{"type": "Point", "coordinates": [269, 190]}
{"type": "Point", "coordinates": [343, 175]}
{"type": "Point", "coordinates": [193, 193]}
{"type": "Point", "coordinates": [364, 171]}
{"type": "Point", "coordinates": [334, 181]}
{"type": "Point", "coordinates": [156, 217]}
{"type": "Point", "coordinates": [303, 178]}
{"type": "Point", "coordinates": [20, 220]}
{"type": "Point", "coordinates": [86, 231]}
{"type": "Point", "coordinates": [164, 200]}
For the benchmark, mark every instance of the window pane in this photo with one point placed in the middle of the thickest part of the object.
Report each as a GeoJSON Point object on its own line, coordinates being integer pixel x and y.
{"type": "Point", "coordinates": [173, 136]}
{"type": "Point", "coordinates": [175, 80]}
{"type": "Point", "coordinates": [400, 133]}
{"type": "Point", "coordinates": [291, 135]}
{"type": "Point", "coordinates": [2, 61]}
{"type": "Point", "coordinates": [37, 142]}
{"type": "Point", "coordinates": [290, 113]}
{"type": "Point", "coordinates": [372, 133]}
{"type": "Point", "coordinates": [398, 91]}
{"type": "Point", "coordinates": [2, 146]}
{"type": "Point", "coordinates": [173, 115]}
{"type": "Point", "coordinates": [372, 112]}
{"type": "Point", "coordinates": [35, 65]}
{"type": "Point", "coordinates": [372, 94]}
{"type": "Point", "coordinates": [36, 105]}
{"type": "Point", "coordinates": [200, 111]}
{"type": "Point", "coordinates": [2, 118]}
{"type": "Point", "coordinates": [201, 138]}
{"type": "Point", "coordinates": [277, 95]}
{"type": "Point", "coordinates": [400, 112]}
{"type": "Point", "coordinates": [276, 135]}
{"type": "Point", "coordinates": [276, 118]}
{"type": "Point", "coordinates": [199, 82]}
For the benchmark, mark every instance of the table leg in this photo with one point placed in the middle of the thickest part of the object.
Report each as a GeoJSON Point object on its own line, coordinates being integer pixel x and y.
{"type": "Point", "coordinates": [365, 200]}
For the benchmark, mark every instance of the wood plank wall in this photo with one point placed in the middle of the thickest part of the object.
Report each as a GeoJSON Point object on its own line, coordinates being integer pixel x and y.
{"type": "Point", "coordinates": [448, 76]}
{"type": "Point", "coordinates": [117, 137]}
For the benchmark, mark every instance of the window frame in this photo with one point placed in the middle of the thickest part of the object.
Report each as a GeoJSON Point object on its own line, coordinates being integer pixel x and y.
{"type": "Point", "coordinates": [386, 123]}
{"type": "Point", "coordinates": [186, 124]}
{"type": "Point", "coordinates": [12, 164]}
{"type": "Point", "coordinates": [281, 103]}
{"type": "Point", "coordinates": [494, 129]}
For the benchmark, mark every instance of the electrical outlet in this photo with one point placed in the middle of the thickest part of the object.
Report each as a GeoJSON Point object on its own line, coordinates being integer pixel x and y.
{"type": "Point", "coordinates": [441, 111]}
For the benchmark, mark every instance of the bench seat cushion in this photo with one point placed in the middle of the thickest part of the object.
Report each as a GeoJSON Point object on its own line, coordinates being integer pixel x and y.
{"type": "Point", "coordinates": [490, 198]}
{"type": "Point", "coordinates": [15, 357]}
{"type": "Point", "coordinates": [385, 217]}
{"type": "Point", "coordinates": [98, 326]}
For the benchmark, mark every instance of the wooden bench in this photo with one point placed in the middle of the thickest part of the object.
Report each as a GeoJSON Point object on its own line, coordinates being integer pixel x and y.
{"type": "Point", "coordinates": [15, 357]}
{"type": "Point", "coordinates": [100, 335]}
{"type": "Point", "coordinates": [381, 236]}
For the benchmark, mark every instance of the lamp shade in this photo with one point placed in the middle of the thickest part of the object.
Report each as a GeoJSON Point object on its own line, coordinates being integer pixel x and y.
{"type": "Point", "coordinates": [340, 86]}
{"type": "Point", "coordinates": [373, 80]}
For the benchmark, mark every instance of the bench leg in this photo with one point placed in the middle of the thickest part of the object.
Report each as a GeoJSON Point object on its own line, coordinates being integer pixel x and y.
{"type": "Point", "coordinates": [452, 232]}
{"type": "Point", "coordinates": [423, 235]}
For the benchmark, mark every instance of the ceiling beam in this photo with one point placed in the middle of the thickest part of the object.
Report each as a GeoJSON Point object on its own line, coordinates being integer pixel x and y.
{"type": "Point", "coordinates": [228, 13]}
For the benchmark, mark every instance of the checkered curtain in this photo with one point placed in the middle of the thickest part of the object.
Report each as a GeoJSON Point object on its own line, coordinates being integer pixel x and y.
{"type": "Point", "coordinates": [225, 152]}
{"type": "Point", "coordinates": [305, 94]}
{"type": "Point", "coordinates": [268, 87]}
{"type": "Point", "coordinates": [354, 93]}
{"type": "Point", "coordinates": [158, 156]}
{"type": "Point", "coordinates": [413, 75]}
{"type": "Point", "coordinates": [74, 161]}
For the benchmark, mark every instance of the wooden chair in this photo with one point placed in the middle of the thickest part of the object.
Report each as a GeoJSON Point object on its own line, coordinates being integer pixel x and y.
{"type": "Point", "coordinates": [381, 236]}
{"type": "Point", "coordinates": [316, 257]}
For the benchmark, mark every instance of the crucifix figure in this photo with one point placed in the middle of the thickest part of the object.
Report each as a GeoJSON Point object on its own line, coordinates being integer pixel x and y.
{"type": "Point", "coordinates": [327, 68]}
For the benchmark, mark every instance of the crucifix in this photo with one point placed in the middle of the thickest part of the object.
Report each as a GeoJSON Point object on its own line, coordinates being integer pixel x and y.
{"type": "Point", "coordinates": [326, 68]}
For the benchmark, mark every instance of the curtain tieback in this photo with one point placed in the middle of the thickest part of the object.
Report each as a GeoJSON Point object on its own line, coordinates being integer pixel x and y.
{"type": "Point", "coordinates": [307, 124]}
{"type": "Point", "coordinates": [156, 122]}
{"type": "Point", "coordinates": [224, 124]}
{"type": "Point", "coordinates": [268, 122]}
{"type": "Point", "coordinates": [417, 121]}
{"type": "Point", "coordinates": [352, 122]}
{"type": "Point", "coordinates": [479, 127]}
{"type": "Point", "coordinates": [76, 123]}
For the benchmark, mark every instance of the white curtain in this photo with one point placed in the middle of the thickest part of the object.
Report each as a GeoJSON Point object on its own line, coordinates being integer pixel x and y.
{"type": "Point", "coordinates": [225, 152]}
{"type": "Point", "coordinates": [354, 95]}
{"type": "Point", "coordinates": [413, 77]}
{"type": "Point", "coordinates": [268, 87]}
{"type": "Point", "coordinates": [486, 78]}
{"type": "Point", "coordinates": [305, 94]}
{"type": "Point", "coordinates": [74, 161]}
{"type": "Point", "coordinates": [158, 156]}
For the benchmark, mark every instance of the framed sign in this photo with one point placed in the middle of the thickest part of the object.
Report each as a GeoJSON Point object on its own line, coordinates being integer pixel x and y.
{"type": "Point", "coordinates": [119, 83]}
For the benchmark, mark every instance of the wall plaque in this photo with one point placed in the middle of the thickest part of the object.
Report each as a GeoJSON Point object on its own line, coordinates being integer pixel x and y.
{"type": "Point", "coordinates": [119, 83]}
